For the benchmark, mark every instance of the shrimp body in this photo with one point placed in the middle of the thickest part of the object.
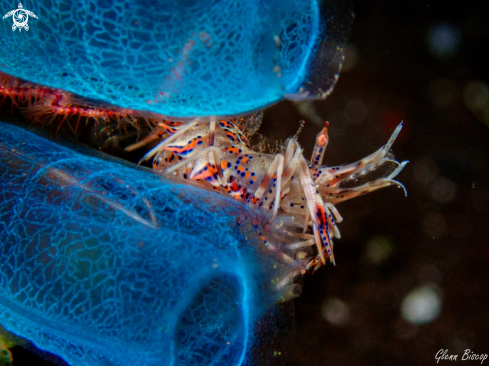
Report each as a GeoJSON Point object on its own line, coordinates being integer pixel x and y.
{"type": "Point", "coordinates": [229, 164]}
{"type": "Point", "coordinates": [217, 155]}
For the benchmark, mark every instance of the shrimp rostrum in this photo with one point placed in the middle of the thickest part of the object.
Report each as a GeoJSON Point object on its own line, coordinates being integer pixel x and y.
{"type": "Point", "coordinates": [217, 154]}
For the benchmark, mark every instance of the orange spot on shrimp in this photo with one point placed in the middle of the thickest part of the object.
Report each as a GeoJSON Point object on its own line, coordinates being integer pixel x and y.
{"type": "Point", "coordinates": [232, 150]}
{"type": "Point", "coordinates": [244, 159]}
{"type": "Point", "coordinates": [167, 129]}
{"type": "Point", "coordinates": [207, 173]}
{"type": "Point", "coordinates": [225, 124]}
{"type": "Point", "coordinates": [232, 136]}
{"type": "Point", "coordinates": [186, 149]}
{"type": "Point", "coordinates": [225, 164]}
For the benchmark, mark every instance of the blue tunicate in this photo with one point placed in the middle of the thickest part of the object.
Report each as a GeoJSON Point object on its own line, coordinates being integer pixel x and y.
{"type": "Point", "coordinates": [105, 263]}
{"type": "Point", "coordinates": [181, 58]}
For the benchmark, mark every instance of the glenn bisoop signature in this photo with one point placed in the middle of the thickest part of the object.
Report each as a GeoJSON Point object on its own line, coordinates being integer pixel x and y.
{"type": "Point", "coordinates": [468, 355]}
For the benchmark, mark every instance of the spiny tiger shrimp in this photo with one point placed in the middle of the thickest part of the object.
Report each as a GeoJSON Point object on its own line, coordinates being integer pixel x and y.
{"type": "Point", "coordinates": [217, 155]}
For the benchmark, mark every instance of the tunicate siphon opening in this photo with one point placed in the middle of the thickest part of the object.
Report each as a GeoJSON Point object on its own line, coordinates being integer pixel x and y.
{"type": "Point", "coordinates": [212, 329]}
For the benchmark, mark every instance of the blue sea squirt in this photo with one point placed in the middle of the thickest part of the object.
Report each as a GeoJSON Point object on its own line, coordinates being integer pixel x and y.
{"type": "Point", "coordinates": [181, 58]}
{"type": "Point", "coordinates": [105, 263]}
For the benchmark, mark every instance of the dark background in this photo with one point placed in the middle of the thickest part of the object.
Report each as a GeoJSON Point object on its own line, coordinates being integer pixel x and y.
{"type": "Point", "coordinates": [437, 237]}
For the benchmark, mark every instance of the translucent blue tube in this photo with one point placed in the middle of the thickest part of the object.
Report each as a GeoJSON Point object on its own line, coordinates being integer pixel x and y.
{"type": "Point", "coordinates": [180, 58]}
{"type": "Point", "coordinates": [104, 263]}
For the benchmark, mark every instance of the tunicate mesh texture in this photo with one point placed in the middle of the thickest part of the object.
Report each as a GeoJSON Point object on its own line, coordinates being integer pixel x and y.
{"type": "Point", "coordinates": [181, 58]}
{"type": "Point", "coordinates": [103, 263]}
